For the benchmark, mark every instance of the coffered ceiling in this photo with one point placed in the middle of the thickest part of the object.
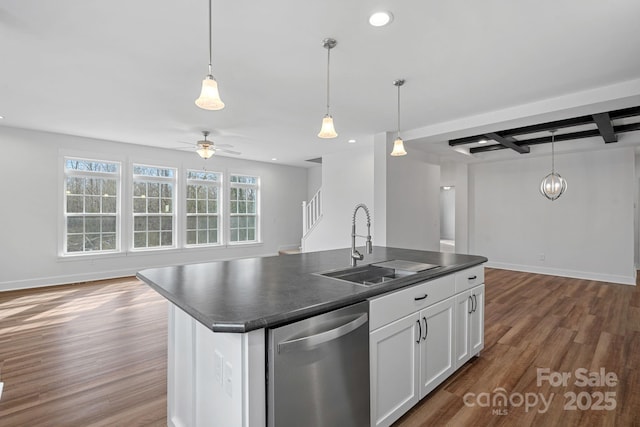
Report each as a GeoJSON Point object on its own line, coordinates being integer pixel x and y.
{"type": "Point", "coordinates": [130, 71]}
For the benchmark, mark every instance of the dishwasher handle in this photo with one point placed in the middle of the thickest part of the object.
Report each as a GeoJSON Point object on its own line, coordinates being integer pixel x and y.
{"type": "Point", "coordinates": [309, 342]}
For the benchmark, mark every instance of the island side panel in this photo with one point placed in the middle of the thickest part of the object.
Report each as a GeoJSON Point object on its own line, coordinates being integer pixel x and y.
{"type": "Point", "coordinates": [214, 379]}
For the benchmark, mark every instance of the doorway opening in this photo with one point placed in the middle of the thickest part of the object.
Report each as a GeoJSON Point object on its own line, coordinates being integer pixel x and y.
{"type": "Point", "coordinates": [447, 219]}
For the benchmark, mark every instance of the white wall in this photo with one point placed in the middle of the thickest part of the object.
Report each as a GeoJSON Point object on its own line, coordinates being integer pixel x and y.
{"type": "Point", "coordinates": [314, 181]}
{"type": "Point", "coordinates": [413, 213]}
{"type": "Point", "coordinates": [456, 175]}
{"type": "Point", "coordinates": [347, 180]}
{"type": "Point", "coordinates": [448, 213]}
{"type": "Point", "coordinates": [586, 233]}
{"type": "Point", "coordinates": [30, 190]}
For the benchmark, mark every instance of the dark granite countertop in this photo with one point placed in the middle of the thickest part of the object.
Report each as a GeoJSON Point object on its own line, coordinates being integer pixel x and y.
{"type": "Point", "coordinates": [253, 293]}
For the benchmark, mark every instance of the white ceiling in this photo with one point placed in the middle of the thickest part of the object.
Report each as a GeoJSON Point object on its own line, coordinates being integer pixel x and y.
{"type": "Point", "coordinates": [130, 71]}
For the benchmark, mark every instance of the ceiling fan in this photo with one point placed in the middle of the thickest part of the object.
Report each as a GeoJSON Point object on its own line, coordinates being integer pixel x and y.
{"type": "Point", "coordinates": [206, 148]}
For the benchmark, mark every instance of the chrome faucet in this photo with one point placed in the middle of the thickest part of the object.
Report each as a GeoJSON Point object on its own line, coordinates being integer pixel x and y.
{"type": "Point", "coordinates": [355, 255]}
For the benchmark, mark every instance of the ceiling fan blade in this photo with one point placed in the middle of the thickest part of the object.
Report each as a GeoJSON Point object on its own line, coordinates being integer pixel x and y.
{"type": "Point", "coordinates": [236, 153]}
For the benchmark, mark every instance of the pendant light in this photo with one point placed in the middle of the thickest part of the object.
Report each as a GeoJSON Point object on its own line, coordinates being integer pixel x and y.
{"type": "Point", "coordinates": [327, 130]}
{"type": "Point", "coordinates": [553, 185]}
{"type": "Point", "coordinates": [209, 96]}
{"type": "Point", "coordinates": [398, 144]}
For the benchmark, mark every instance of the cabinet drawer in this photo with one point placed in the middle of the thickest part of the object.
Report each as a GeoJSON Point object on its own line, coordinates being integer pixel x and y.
{"type": "Point", "coordinates": [387, 308]}
{"type": "Point", "coordinates": [467, 279]}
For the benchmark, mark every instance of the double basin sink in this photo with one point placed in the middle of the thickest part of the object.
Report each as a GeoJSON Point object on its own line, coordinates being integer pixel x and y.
{"type": "Point", "coordinates": [377, 273]}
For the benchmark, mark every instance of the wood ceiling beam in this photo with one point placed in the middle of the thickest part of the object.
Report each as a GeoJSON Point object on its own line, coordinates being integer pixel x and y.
{"type": "Point", "coordinates": [603, 121]}
{"type": "Point", "coordinates": [557, 124]}
{"type": "Point", "coordinates": [508, 142]}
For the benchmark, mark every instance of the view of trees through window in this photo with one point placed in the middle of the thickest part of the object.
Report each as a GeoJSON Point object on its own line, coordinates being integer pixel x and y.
{"type": "Point", "coordinates": [91, 205]}
{"type": "Point", "coordinates": [153, 213]}
{"type": "Point", "coordinates": [203, 200]}
{"type": "Point", "coordinates": [93, 201]}
{"type": "Point", "coordinates": [243, 202]}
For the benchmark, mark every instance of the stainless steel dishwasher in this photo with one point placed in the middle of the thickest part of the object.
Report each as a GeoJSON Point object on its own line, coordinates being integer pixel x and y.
{"type": "Point", "coordinates": [318, 373]}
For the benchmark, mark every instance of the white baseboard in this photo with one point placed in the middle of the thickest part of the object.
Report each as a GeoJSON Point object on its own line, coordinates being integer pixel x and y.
{"type": "Point", "coordinates": [40, 282]}
{"type": "Point", "coordinates": [587, 275]}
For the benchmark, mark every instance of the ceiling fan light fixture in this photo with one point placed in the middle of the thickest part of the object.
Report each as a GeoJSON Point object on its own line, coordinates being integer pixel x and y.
{"type": "Point", "coordinates": [205, 150]}
{"type": "Point", "coordinates": [209, 95]}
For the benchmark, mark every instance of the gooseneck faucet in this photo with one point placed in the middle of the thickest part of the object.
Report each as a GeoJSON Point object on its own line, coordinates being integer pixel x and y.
{"type": "Point", "coordinates": [355, 255]}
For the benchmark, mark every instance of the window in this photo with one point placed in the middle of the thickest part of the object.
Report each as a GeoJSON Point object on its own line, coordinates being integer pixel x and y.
{"type": "Point", "coordinates": [243, 209]}
{"type": "Point", "coordinates": [91, 208]}
{"type": "Point", "coordinates": [153, 206]}
{"type": "Point", "coordinates": [203, 204]}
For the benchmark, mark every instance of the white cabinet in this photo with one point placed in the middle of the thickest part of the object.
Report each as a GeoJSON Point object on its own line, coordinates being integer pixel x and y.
{"type": "Point", "coordinates": [419, 336]}
{"type": "Point", "coordinates": [437, 360]}
{"type": "Point", "coordinates": [469, 334]}
{"type": "Point", "coordinates": [394, 365]}
{"type": "Point", "coordinates": [409, 358]}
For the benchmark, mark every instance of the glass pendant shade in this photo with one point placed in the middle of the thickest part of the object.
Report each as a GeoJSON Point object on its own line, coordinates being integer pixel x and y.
{"type": "Point", "coordinates": [209, 96]}
{"type": "Point", "coordinates": [553, 185]}
{"type": "Point", "coordinates": [327, 130]}
{"type": "Point", "coordinates": [398, 148]}
{"type": "Point", "coordinates": [205, 151]}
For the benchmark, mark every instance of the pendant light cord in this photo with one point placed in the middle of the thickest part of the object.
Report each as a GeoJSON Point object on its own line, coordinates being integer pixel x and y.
{"type": "Point", "coordinates": [210, 72]}
{"type": "Point", "coordinates": [398, 111]}
{"type": "Point", "coordinates": [328, 81]}
{"type": "Point", "coordinates": [553, 168]}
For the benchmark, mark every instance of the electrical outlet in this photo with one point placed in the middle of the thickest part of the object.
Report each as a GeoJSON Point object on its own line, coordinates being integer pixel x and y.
{"type": "Point", "coordinates": [228, 375]}
{"type": "Point", "coordinates": [217, 367]}
{"type": "Point", "coordinates": [541, 257]}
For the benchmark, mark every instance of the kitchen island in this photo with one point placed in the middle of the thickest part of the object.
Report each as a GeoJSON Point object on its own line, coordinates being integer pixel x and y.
{"type": "Point", "coordinates": [220, 311]}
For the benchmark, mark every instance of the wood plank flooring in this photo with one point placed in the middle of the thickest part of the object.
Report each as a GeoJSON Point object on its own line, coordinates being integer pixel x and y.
{"type": "Point", "coordinates": [90, 354]}
{"type": "Point", "coordinates": [94, 354]}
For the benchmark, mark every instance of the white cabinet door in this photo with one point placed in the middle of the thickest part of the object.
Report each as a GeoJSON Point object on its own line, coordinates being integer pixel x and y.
{"type": "Point", "coordinates": [464, 303]}
{"type": "Point", "coordinates": [394, 369]}
{"type": "Point", "coordinates": [469, 324]}
{"type": "Point", "coordinates": [437, 360]}
{"type": "Point", "coordinates": [476, 324]}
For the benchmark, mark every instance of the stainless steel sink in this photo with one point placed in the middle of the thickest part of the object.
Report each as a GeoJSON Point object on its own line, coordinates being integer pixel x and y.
{"type": "Point", "coordinates": [376, 273]}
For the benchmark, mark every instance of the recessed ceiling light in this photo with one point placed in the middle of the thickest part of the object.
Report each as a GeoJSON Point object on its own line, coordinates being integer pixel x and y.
{"type": "Point", "coordinates": [1, 117]}
{"type": "Point", "coordinates": [274, 159]}
{"type": "Point", "coordinates": [482, 141]}
{"type": "Point", "coordinates": [380, 19]}
{"type": "Point", "coordinates": [351, 141]}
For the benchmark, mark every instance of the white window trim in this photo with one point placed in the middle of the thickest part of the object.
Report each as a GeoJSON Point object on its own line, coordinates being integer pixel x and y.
{"type": "Point", "coordinates": [175, 198]}
{"type": "Point", "coordinates": [222, 212]}
{"type": "Point", "coordinates": [258, 186]}
{"type": "Point", "coordinates": [63, 156]}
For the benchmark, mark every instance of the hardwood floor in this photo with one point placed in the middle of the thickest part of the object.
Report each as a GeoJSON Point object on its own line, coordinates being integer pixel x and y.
{"type": "Point", "coordinates": [95, 355]}
{"type": "Point", "coordinates": [563, 325]}
{"type": "Point", "coordinates": [90, 354]}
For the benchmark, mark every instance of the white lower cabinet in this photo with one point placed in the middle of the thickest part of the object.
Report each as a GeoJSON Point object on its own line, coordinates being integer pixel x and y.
{"type": "Point", "coordinates": [437, 360]}
{"type": "Point", "coordinates": [469, 324]}
{"type": "Point", "coordinates": [419, 337]}
{"type": "Point", "coordinates": [394, 369]}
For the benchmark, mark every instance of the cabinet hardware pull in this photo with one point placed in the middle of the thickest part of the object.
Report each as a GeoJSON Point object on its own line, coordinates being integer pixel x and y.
{"type": "Point", "coordinates": [419, 331]}
{"type": "Point", "coordinates": [426, 328]}
{"type": "Point", "coordinates": [421, 298]}
{"type": "Point", "coordinates": [473, 277]}
{"type": "Point", "coordinates": [471, 303]}
{"type": "Point", "coordinates": [475, 303]}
